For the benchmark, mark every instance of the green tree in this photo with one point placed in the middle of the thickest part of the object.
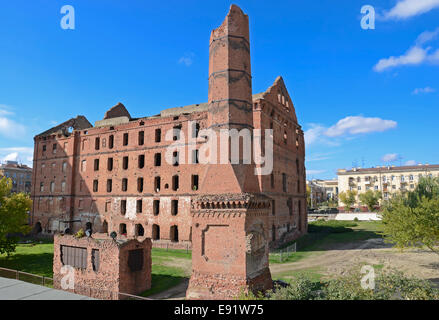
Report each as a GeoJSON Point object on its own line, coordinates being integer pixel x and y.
{"type": "Point", "coordinates": [412, 219]}
{"type": "Point", "coordinates": [13, 215]}
{"type": "Point", "coordinates": [308, 196]}
{"type": "Point", "coordinates": [348, 198]}
{"type": "Point", "coordinates": [370, 199]}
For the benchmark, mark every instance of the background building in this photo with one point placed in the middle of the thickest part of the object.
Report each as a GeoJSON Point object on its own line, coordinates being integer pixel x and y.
{"type": "Point", "coordinates": [386, 179]}
{"type": "Point", "coordinates": [20, 174]}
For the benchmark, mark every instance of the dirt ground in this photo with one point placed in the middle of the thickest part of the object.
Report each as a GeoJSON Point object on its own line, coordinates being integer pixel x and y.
{"type": "Point", "coordinates": [337, 259]}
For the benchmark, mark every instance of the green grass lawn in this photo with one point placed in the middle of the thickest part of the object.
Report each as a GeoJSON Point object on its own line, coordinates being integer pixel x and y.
{"type": "Point", "coordinates": [323, 234]}
{"type": "Point", "coordinates": [38, 258]}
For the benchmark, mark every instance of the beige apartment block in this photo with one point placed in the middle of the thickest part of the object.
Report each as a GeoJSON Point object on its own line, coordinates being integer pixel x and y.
{"type": "Point", "coordinates": [386, 179]}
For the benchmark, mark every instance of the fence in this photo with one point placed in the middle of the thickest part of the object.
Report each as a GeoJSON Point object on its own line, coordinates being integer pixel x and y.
{"type": "Point", "coordinates": [172, 246]}
{"type": "Point", "coordinates": [82, 290]}
{"type": "Point", "coordinates": [285, 253]}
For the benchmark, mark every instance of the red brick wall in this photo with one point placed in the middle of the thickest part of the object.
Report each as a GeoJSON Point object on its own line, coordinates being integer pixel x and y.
{"type": "Point", "coordinates": [113, 275]}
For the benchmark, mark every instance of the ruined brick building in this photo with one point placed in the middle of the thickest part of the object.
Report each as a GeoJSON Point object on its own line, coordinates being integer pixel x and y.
{"type": "Point", "coordinates": [113, 176]}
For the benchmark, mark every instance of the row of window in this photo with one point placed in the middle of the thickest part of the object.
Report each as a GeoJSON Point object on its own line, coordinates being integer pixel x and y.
{"type": "Point", "coordinates": [141, 137]}
{"type": "Point", "coordinates": [388, 178]}
{"type": "Point", "coordinates": [140, 161]}
{"type": "Point", "coordinates": [412, 186]}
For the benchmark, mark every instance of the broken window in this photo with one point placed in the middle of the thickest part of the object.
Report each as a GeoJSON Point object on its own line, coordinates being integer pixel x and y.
{"type": "Point", "coordinates": [54, 148]}
{"type": "Point", "coordinates": [125, 163]}
{"type": "Point", "coordinates": [141, 161]}
{"type": "Point", "coordinates": [196, 130]}
{"type": "Point", "coordinates": [135, 260]}
{"type": "Point", "coordinates": [95, 259]}
{"type": "Point", "coordinates": [175, 183]}
{"type": "Point", "coordinates": [141, 138]}
{"type": "Point", "coordinates": [95, 185]}
{"type": "Point", "coordinates": [175, 158]}
{"type": "Point", "coordinates": [125, 139]}
{"type": "Point", "coordinates": [75, 257]}
{"type": "Point", "coordinates": [195, 186]}
{"type": "Point", "coordinates": [140, 231]}
{"type": "Point", "coordinates": [174, 233]}
{"type": "Point", "coordinates": [156, 207]}
{"type": "Point", "coordinates": [41, 186]}
{"type": "Point", "coordinates": [158, 135]}
{"type": "Point", "coordinates": [123, 206]}
{"type": "Point", "coordinates": [158, 159]}
{"type": "Point", "coordinates": [109, 185]}
{"type": "Point", "coordinates": [111, 142]}
{"type": "Point", "coordinates": [284, 182]}
{"type": "Point", "coordinates": [139, 206]}
{"type": "Point", "coordinates": [110, 164]}
{"type": "Point", "coordinates": [124, 184]}
{"type": "Point", "coordinates": [272, 180]}
{"type": "Point", "coordinates": [96, 164]}
{"type": "Point", "coordinates": [157, 184]}
{"type": "Point", "coordinates": [140, 184]}
{"type": "Point", "coordinates": [107, 206]}
{"type": "Point", "coordinates": [174, 207]}
{"type": "Point", "coordinates": [155, 232]}
{"type": "Point", "coordinates": [176, 133]}
{"type": "Point", "coordinates": [123, 229]}
{"type": "Point", "coordinates": [195, 154]}
{"type": "Point", "coordinates": [97, 143]}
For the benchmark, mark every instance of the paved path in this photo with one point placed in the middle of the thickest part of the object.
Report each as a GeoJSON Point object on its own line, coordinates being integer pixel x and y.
{"type": "Point", "coordinates": [11, 289]}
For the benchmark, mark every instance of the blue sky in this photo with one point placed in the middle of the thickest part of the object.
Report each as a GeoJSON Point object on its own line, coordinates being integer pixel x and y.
{"type": "Point", "coordinates": [364, 97]}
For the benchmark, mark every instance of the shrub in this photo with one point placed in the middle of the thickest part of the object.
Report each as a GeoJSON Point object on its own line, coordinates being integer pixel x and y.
{"type": "Point", "coordinates": [389, 285]}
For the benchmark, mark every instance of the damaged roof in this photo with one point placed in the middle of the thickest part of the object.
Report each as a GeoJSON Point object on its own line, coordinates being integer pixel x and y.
{"type": "Point", "coordinates": [78, 123]}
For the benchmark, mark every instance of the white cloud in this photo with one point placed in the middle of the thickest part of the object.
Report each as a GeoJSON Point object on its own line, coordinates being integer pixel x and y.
{"type": "Point", "coordinates": [20, 154]}
{"type": "Point", "coordinates": [312, 172]}
{"type": "Point", "coordinates": [10, 128]}
{"type": "Point", "coordinates": [405, 9]}
{"type": "Point", "coordinates": [187, 59]}
{"type": "Point", "coordinates": [414, 56]}
{"type": "Point", "coordinates": [390, 157]}
{"type": "Point", "coordinates": [5, 110]}
{"type": "Point", "coordinates": [11, 157]}
{"type": "Point", "coordinates": [423, 90]}
{"type": "Point", "coordinates": [357, 125]}
{"type": "Point", "coordinates": [314, 133]}
{"type": "Point", "coordinates": [346, 128]}
{"type": "Point", "coordinates": [410, 163]}
{"type": "Point", "coordinates": [427, 36]}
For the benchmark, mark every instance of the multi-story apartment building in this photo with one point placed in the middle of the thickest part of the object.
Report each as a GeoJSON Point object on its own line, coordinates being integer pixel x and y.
{"type": "Point", "coordinates": [386, 179]}
{"type": "Point", "coordinates": [20, 174]}
{"type": "Point", "coordinates": [330, 187]}
{"type": "Point", "coordinates": [115, 175]}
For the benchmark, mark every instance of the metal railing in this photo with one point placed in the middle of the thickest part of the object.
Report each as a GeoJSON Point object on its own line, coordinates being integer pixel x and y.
{"type": "Point", "coordinates": [97, 293]}
{"type": "Point", "coordinates": [284, 253]}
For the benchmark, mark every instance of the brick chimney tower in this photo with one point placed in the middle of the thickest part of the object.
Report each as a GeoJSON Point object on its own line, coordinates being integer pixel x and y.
{"type": "Point", "coordinates": [230, 102]}
{"type": "Point", "coordinates": [230, 80]}
{"type": "Point", "coordinates": [230, 218]}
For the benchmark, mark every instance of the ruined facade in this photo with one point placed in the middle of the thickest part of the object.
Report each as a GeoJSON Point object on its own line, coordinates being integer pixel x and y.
{"type": "Point", "coordinates": [101, 267]}
{"type": "Point", "coordinates": [114, 176]}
